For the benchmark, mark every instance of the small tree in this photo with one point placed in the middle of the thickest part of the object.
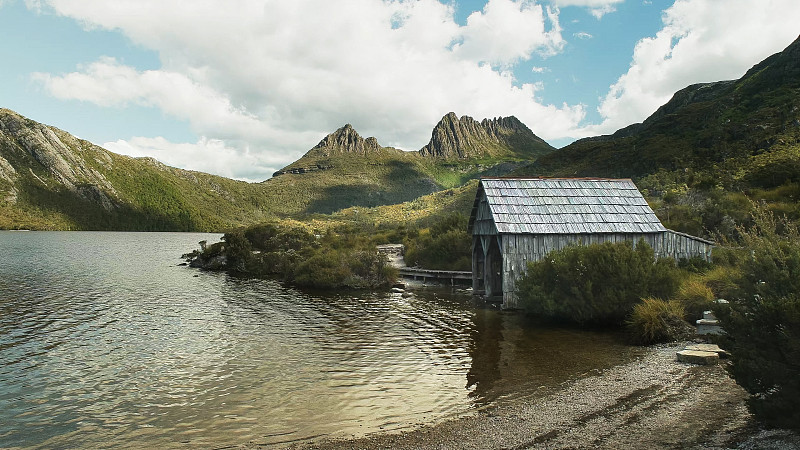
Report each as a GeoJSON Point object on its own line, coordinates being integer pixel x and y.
{"type": "Point", "coordinates": [762, 323]}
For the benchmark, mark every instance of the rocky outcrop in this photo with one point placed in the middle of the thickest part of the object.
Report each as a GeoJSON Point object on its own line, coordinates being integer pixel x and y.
{"type": "Point", "coordinates": [302, 170]}
{"type": "Point", "coordinates": [464, 137]}
{"type": "Point", "coordinates": [346, 140]}
{"type": "Point", "coordinates": [8, 193]}
{"type": "Point", "coordinates": [58, 154]}
{"type": "Point", "coordinates": [7, 171]}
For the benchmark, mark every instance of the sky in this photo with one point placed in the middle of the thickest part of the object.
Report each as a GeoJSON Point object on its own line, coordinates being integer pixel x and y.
{"type": "Point", "coordinates": [241, 88]}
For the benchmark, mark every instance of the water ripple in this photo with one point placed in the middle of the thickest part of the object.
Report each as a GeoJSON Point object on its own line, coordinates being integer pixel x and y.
{"type": "Point", "coordinates": [105, 342]}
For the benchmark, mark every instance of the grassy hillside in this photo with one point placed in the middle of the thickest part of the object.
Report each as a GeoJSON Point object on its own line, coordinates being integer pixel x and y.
{"type": "Point", "coordinates": [701, 157]}
{"type": "Point", "coordinates": [57, 181]}
{"type": "Point", "coordinates": [386, 177]}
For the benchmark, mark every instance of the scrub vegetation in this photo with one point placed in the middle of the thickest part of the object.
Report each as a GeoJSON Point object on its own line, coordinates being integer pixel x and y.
{"type": "Point", "coordinates": [597, 284]}
{"type": "Point", "coordinates": [762, 320]}
{"type": "Point", "coordinates": [334, 255]}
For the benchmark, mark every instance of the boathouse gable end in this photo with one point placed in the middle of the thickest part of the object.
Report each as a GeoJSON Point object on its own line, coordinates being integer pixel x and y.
{"type": "Point", "coordinates": [517, 220]}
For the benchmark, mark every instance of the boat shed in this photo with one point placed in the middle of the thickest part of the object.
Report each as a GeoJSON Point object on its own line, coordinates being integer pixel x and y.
{"type": "Point", "coordinates": [517, 220]}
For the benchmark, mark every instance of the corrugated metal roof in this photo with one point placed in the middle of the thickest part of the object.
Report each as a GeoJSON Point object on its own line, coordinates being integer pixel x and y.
{"type": "Point", "coordinates": [568, 206]}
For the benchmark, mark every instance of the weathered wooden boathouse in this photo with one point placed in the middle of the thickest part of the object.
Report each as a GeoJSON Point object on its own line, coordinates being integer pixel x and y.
{"type": "Point", "coordinates": [516, 220]}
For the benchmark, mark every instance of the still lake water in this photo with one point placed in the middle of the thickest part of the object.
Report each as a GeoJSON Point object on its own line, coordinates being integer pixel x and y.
{"type": "Point", "coordinates": [105, 341]}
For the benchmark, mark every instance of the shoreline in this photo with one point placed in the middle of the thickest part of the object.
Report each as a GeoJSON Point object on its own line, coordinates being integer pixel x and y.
{"type": "Point", "coordinates": [651, 402]}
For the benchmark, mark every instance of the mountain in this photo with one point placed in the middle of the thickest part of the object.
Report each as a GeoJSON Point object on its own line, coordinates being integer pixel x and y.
{"type": "Point", "coordinates": [50, 179]}
{"type": "Point", "coordinates": [706, 151]}
{"type": "Point", "coordinates": [467, 138]}
{"type": "Point", "coordinates": [346, 170]}
{"type": "Point", "coordinates": [346, 140]}
{"type": "Point", "coordinates": [702, 124]}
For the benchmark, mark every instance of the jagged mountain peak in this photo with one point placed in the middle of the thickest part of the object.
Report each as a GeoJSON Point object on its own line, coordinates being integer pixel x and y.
{"type": "Point", "coordinates": [465, 137]}
{"type": "Point", "coordinates": [346, 140]}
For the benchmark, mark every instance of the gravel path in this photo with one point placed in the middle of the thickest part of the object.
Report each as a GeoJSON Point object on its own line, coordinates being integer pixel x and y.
{"type": "Point", "coordinates": [653, 402]}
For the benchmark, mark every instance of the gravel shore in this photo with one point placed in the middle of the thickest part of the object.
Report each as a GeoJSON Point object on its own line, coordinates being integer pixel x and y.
{"type": "Point", "coordinates": [652, 402]}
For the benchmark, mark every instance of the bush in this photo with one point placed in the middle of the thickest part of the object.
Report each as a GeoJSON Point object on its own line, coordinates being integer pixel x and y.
{"type": "Point", "coordinates": [695, 264]}
{"type": "Point", "coordinates": [238, 250]}
{"type": "Point", "coordinates": [293, 252]}
{"type": "Point", "coordinates": [762, 322]}
{"type": "Point", "coordinates": [445, 246]}
{"type": "Point", "coordinates": [325, 269]}
{"type": "Point", "coordinates": [330, 268]}
{"type": "Point", "coordinates": [695, 297]}
{"type": "Point", "coordinates": [720, 281]}
{"type": "Point", "coordinates": [598, 283]}
{"type": "Point", "coordinates": [654, 320]}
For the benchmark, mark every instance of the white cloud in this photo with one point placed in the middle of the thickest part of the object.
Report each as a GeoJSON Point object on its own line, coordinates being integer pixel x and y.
{"type": "Point", "coordinates": [276, 76]}
{"type": "Point", "coordinates": [597, 8]}
{"type": "Point", "coordinates": [206, 155]}
{"type": "Point", "coordinates": [582, 35]}
{"type": "Point", "coordinates": [701, 41]}
{"type": "Point", "coordinates": [108, 83]}
{"type": "Point", "coordinates": [507, 31]}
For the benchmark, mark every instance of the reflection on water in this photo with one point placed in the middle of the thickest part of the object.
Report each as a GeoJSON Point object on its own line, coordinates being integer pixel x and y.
{"type": "Point", "coordinates": [106, 341]}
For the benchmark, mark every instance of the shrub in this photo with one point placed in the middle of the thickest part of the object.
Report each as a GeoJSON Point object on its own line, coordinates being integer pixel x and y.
{"type": "Point", "coordinates": [262, 236]}
{"type": "Point", "coordinates": [445, 246]}
{"type": "Point", "coordinates": [695, 297]}
{"type": "Point", "coordinates": [330, 268]}
{"type": "Point", "coordinates": [238, 251]}
{"type": "Point", "coordinates": [325, 269]}
{"type": "Point", "coordinates": [370, 269]}
{"type": "Point", "coordinates": [598, 283]}
{"type": "Point", "coordinates": [655, 320]}
{"type": "Point", "coordinates": [720, 280]}
{"type": "Point", "coordinates": [695, 264]}
{"type": "Point", "coordinates": [762, 322]}
{"type": "Point", "coordinates": [344, 259]}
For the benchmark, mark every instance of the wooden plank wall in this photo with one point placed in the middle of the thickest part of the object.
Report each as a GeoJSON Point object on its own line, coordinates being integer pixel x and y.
{"type": "Point", "coordinates": [678, 246]}
{"type": "Point", "coordinates": [484, 223]}
{"type": "Point", "coordinates": [519, 249]}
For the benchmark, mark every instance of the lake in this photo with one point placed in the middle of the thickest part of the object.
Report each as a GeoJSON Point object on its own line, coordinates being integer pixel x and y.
{"type": "Point", "coordinates": [105, 341]}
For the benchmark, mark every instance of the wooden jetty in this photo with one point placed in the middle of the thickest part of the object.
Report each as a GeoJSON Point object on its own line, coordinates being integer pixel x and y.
{"type": "Point", "coordinates": [451, 277]}
{"type": "Point", "coordinates": [394, 253]}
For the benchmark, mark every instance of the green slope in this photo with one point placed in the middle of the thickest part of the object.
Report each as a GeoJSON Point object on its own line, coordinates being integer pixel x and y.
{"type": "Point", "coordinates": [704, 153]}
{"type": "Point", "coordinates": [56, 181]}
